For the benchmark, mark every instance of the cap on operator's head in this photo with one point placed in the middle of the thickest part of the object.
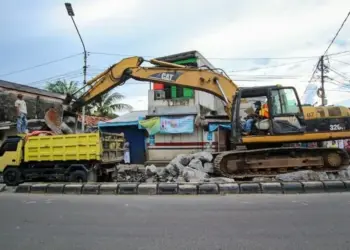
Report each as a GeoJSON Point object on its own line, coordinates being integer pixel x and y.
{"type": "Point", "coordinates": [257, 103]}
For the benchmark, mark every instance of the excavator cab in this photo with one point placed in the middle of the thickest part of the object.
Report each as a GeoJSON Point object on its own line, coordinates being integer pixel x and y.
{"type": "Point", "coordinates": [285, 115]}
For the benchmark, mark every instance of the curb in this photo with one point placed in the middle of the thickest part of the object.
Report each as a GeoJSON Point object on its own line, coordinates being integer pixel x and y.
{"type": "Point", "coordinates": [293, 187]}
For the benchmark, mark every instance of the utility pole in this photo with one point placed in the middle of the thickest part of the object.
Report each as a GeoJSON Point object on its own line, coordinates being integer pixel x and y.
{"type": "Point", "coordinates": [71, 14]}
{"type": "Point", "coordinates": [323, 94]}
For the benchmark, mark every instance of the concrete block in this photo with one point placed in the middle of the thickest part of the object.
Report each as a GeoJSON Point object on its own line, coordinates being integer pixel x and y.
{"type": "Point", "coordinates": [91, 188]}
{"type": "Point", "coordinates": [109, 188]}
{"type": "Point", "coordinates": [55, 188]}
{"type": "Point", "coordinates": [250, 188]}
{"type": "Point", "coordinates": [313, 186]}
{"type": "Point", "coordinates": [147, 188]}
{"type": "Point", "coordinates": [293, 187]}
{"type": "Point", "coordinates": [187, 189]}
{"type": "Point", "coordinates": [168, 188]}
{"type": "Point", "coordinates": [72, 188]}
{"type": "Point", "coordinates": [229, 188]}
{"type": "Point", "coordinates": [271, 187]}
{"type": "Point", "coordinates": [347, 185]}
{"type": "Point", "coordinates": [208, 188]}
{"type": "Point", "coordinates": [39, 188]}
{"type": "Point", "coordinates": [2, 187]}
{"type": "Point", "coordinates": [334, 186]}
{"type": "Point", "coordinates": [127, 188]}
{"type": "Point", "coordinates": [23, 188]}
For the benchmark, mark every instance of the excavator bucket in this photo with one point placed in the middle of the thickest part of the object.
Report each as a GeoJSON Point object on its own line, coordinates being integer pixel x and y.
{"type": "Point", "coordinates": [53, 119]}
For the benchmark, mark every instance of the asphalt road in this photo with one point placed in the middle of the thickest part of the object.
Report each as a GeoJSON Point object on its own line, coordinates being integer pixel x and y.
{"type": "Point", "coordinates": [318, 221]}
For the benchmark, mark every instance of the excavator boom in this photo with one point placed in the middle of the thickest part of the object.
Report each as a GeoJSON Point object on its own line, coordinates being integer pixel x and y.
{"type": "Point", "coordinates": [130, 68]}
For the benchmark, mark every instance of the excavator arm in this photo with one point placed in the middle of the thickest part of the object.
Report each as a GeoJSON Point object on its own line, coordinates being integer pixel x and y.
{"type": "Point", "coordinates": [130, 68]}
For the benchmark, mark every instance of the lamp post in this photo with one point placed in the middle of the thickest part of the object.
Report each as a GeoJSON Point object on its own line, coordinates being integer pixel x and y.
{"type": "Point", "coordinates": [71, 14]}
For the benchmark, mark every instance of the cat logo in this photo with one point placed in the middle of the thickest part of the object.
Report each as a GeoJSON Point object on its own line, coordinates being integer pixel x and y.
{"type": "Point", "coordinates": [167, 76]}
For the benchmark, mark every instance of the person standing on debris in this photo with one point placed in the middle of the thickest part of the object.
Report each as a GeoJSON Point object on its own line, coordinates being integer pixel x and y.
{"type": "Point", "coordinates": [21, 108]}
{"type": "Point", "coordinates": [126, 149]}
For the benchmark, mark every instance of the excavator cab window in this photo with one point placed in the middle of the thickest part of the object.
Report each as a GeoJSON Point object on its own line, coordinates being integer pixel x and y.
{"type": "Point", "coordinates": [285, 111]}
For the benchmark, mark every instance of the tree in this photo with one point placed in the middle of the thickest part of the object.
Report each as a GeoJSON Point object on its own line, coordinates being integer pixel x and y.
{"type": "Point", "coordinates": [63, 87]}
{"type": "Point", "coordinates": [107, 104]}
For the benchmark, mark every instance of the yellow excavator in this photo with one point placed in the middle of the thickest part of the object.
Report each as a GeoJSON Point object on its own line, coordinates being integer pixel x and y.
{"type": "Point", "coordinates": [261, 154]}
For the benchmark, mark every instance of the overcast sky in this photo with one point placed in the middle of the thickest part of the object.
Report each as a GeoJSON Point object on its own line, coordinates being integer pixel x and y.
{"type": "Point", "coordinates": [224, 31]}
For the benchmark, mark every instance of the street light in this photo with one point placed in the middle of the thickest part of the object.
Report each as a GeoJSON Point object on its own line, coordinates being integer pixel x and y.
{"type": "Point", "coordinates": [71, 14]}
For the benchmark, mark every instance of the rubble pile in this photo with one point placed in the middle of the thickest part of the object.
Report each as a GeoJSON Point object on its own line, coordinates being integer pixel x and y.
{"type": "Point", "coordinates": [130, 173]}
{"type": "Point", "coordinates": [197, 167]}
{"type": "Point", "coordinates": [309, 175]}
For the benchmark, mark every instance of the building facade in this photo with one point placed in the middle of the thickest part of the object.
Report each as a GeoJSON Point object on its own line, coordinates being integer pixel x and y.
{"type": "Point", "coordinates": [172, 102]}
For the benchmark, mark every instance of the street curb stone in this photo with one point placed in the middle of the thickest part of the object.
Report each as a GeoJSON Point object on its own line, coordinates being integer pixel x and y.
{"type": "Point", "coordinates": [187, 188]}
{"type": "Point", "coordinates": [208, 188]}
{"type": "Point", "coordinates": [313, 186]}
{"type": "Point", "coordinates": [334, 186]}
{"type": "Point", "coordinates": [91, 188]}
{"type": "Point", "coordinates": [39, 188]}
{"type": "Point", "coordinates": [111, 188]}
{"type": "Point", "coordinates": [229, 188]}
{"type": "Point", "coordinates": [73, 188]}
{"type": "Point", "coordinates": [347, 185]}
{"type": "Point", "coordinates": [147, 188]}
{"type": "Point", "coordinates": [250, 188]}
{"type": "Point", "coordinates": [293, 187]}
{"type": "Point", "coordinates": [23, 188]}
{"type": "Point", "coordinates": [168, 188]}
{"type": "Point", "coordinates": [2, 187]}
{"type": "Point", "coordinates": [127, 188]}
{"type": "Point", "coordinates": [55, 188]}
{"type": "Point", "coordinates": [271, 187]}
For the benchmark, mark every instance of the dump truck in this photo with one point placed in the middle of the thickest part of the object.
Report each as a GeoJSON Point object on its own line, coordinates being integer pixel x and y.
{"type": "Point", "coordinates": [49, 157]}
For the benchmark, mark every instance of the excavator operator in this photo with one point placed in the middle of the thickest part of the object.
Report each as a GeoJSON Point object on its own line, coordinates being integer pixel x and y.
{"type": "Point", "coordinates": [261, 112]}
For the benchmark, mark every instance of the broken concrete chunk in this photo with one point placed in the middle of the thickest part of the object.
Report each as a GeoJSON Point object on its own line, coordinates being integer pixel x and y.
{"type": "Point", "coordinates": [194, 175]}
{"type": "Point", "coordinates": [221, 180]}
{"type": "Point", "coordinates": [196, 164]}
{"type": "Point", "coordinates": [183, 159]}
{"type": "Point", "coordinates": [304, 175]}
{"type": "Point", "coordinates": [171, 169]}
{"type": "Point", "coordinates": [151, 170]}
{"type": "Point", "coordinates": [209, 167]}
{"type": "Point", "coordinates": [203, 156]}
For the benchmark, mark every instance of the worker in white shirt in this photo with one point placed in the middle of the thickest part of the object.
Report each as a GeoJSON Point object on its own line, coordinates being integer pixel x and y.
{"type": "Point", "coordinates": [126, 152]}
{"type": "Point", "coordinates": [21, 109]}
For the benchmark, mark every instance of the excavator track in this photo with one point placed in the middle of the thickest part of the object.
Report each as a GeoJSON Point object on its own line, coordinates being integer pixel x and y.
{"type": "Point", "coordinates": [269, 162]}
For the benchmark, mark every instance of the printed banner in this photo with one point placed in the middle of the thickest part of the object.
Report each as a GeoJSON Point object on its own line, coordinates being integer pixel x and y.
{"type": "Point", "coordinates": [152, 125]}
{"type": "Point", "coordinates": [179, 125]}
{"type": "Point", "coordinates": [163, 125]}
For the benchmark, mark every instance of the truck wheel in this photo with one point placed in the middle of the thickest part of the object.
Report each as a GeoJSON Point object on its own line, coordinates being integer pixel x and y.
{"type": "Point", "coordinates": [12, 176]}
{"type": "Point", "coordinates": [78, 176]}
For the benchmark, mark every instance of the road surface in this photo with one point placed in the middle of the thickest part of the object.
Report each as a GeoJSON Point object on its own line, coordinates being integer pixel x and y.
{"type": "Point", "coordinates": [45, 222]}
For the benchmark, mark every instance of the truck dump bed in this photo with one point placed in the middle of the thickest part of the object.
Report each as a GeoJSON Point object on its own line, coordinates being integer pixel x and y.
{"type": "Point", "coordinates": [74, 147]}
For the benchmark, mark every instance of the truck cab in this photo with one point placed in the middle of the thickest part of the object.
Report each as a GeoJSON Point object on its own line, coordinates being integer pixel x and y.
{"type": "Point", "coordinates": [11, 156]}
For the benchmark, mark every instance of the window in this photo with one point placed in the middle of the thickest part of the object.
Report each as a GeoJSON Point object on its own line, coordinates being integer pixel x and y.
{"type": "Point", "coordinates": [8, 146]}
{"type": "Point", "coordinates": [284, 101]}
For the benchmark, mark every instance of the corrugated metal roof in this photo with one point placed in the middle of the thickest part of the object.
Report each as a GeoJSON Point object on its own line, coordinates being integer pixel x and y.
{"type": "Point", "coordinates": [129, 117]}
{"type": "Point", "coordinates": [29, 89]}
{"type": "Point", "coordinates": [173, 110]}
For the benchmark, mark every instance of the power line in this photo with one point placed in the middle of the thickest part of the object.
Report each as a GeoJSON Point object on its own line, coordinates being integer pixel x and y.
{"type": "Point", "coordinates": [318, 63]}
{"type": "Point", "coordinates": [39, 65]}
{"type": "Point", "coordinates": [341, 62]}
{"type": "Point", "coordinates": [340, 28]}
{"type": "Point", "coordinates": [272, 66]}
{"type": "Point", "coordinates": [70, 73]}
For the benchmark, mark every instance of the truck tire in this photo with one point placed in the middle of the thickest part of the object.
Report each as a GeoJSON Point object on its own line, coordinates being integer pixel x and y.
{"type": "Point", "coordinates": [12, 176]}
{"type": "Point", "coordinates": [78, 176]}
